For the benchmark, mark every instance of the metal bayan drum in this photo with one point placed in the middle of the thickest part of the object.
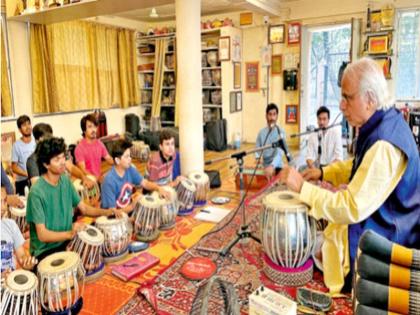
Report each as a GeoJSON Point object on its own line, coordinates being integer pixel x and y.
{"type": "Point", "coordinates": [140, 151]}
{"type": "Point", "coordinates": [169, 208]}
{"type": "Point", "coordinates": [88, 244]}
{"type": "Point", "coordinates": [202, 186]}
{"type": "Point", "coordinates": [91, 196]}
{"type": "Point", "coordinates": [186, 195]}
{"type": "Point", "coordinates": [117, 236]}
{"type": "Point", "coordinates": [19, 215]}
{"type": "Point", "coordinates": [147, 216]}
{"type": "Point", "coordinates": [62, 279]}
{"type": "Point", "coordinates": [288, 236]}
{"type": "Point", "coordinates": [19, 294]}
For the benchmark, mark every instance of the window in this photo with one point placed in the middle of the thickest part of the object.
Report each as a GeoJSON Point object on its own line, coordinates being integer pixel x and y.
{"type": "Point", "coordinates": [408, 56]}
{"type": "Point", "coordinates": [330, 46]}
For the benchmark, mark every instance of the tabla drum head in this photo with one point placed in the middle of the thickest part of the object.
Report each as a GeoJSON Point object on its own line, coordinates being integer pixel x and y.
{"type": "Point", "coordinates": [198, 268]}
{"type": "Point", "coordinates": [284, 200]}
{"type": "Point", "coordinates": [188, 184]}
{"type": "Point", "coordinates": [19, 212]}
{"type": "Point", "coordinates": [198, 177]}
{"type": "Point", "coordinates": [103, 220]}
{"type": "Point", "coordinates": [172, 192]}
{"type": "Point", "coordinates": [149, 201]}
{"type": "Point", "coordinates": [58, 263]}
{"type": "Point", "coordinates": [91, 235]}
{"type": "Point", "coordinates": [21, 281]}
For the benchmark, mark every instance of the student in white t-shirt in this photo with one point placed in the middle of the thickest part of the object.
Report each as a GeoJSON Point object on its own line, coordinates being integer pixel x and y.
{"type": "Point", "coordinates": [11, 242]}
{"type": "Point", "coordinates": [324, 147]}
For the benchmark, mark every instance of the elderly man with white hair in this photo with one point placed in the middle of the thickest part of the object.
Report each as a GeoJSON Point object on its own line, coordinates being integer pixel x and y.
{"type": "Point", "coordinates": [383, 178]}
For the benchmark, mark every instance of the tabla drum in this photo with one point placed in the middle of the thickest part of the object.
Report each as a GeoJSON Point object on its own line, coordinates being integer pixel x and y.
{"type": "Point", "coordinates": [140, 151]}
{"type": "Point", "coordinates": [19, 215]}
{"type": "Point", "coordinates": [288, 236]}
{"type": "Point", "coordinates": [19, 294]}
{"type": "Point", "coordinates": [117, 236]}
{"type": "Point", "coordinates": [88, 243]}
{"type": "Point", "coordinates": [91, 196]}
{"type": "Point", "coordinates": [202, 186]}
{"type": "Point", "coordinates": [147, 220]}
{"type": "Point", "coordinates": [61, 283]}
{"type": "Point", "coordinates": [186, 196]}
{"type": "Point", "coordinates": [169, 208]}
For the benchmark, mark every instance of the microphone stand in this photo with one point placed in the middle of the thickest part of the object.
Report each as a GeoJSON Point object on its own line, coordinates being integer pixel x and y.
{"type": "Point", "coordinates": [313, 131]}
{"type": "Point", "coordinates": [243, 232]}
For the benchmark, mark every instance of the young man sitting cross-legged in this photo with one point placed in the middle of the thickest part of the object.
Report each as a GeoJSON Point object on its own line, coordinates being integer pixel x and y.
{"type": "Point", "coordinates": [120, 182]}
{"type": "Point", "coordinates": [52, 200]}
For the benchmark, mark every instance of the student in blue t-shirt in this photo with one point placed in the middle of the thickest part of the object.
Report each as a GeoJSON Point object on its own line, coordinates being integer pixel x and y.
{"type": "Point", "coordinates": [11, 242]}
{"type": "Point", "coordinates": [118, 187]}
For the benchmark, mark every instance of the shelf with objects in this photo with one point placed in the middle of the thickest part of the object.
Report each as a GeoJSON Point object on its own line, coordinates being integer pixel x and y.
{"type": "Point", "coordinates": [211, 75]}
{"type": "Point", "coordinates": [149, 66]}
{"type": "Point", "coordinates": [378, 37]}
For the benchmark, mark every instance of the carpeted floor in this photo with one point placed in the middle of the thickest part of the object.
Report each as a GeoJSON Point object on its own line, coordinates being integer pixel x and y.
{"type": "Point", "coordinates": [242, 267]}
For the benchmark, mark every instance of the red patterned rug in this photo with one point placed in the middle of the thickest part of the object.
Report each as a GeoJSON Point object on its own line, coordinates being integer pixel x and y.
{"type": "Point", "coordinates": [242, 267]}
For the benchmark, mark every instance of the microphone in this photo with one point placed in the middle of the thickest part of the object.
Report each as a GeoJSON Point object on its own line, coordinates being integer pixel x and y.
{"type": "Point", "coordinates": [283, 146]}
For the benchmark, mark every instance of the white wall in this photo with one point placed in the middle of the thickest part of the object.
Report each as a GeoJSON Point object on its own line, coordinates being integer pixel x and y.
{"type": "Point", "coordinates": [64, 125]}
{"type": "Point", "coordinates": [253, 37]}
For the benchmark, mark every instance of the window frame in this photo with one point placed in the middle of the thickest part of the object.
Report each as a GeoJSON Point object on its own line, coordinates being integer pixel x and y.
{"type": "Point", "coordinates": [415, 98]}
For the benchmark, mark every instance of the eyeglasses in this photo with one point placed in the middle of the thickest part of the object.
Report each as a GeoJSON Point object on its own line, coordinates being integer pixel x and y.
{"type": "Point", "coordinates": [349, 97]}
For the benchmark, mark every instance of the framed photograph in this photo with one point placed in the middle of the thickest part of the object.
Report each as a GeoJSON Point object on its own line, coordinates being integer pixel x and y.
{"type": "Point", "coordinates": [252, 76]}
{"type": "Point", "coordinates": [236, 75]}
{"type": "Point", "coordinates": [236, 49]}
{"type": "Point", "coordinates": [224, 48]}
{"type": "Point", "coordinates": [7, 140]}
{"type": "Point", "coordinates": [375, 20]}
{"type": "Point", "coordinates": [292, 114]}
{"type": "Point", "coordinates": [293, 33]}
{"type": "Point", "coordinates": [276, 68]}
{"type": "Point", "coordinates": [385, 65]}
{"type": "Point", "coordinates": [238, 101]}
{"type": "Point", "coordinates": [246, 18]}
{"type": "Point", "coordinates": [378, 44]}
{"type": "Point", "coordinates": [276, 34]}
{"type": "Point", "coordinates": [232, 97]}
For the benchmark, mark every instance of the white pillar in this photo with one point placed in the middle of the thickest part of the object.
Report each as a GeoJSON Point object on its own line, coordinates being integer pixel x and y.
{"type": "Point", "coordinates": [188, 49]}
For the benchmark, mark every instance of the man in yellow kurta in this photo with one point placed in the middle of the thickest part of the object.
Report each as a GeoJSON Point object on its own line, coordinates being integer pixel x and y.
{"type": "Point", "coordinates": [383, 191]}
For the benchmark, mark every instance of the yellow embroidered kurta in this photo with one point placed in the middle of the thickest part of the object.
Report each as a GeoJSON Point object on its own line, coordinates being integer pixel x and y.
{"type": "Point", "coordinates": [377, 176]}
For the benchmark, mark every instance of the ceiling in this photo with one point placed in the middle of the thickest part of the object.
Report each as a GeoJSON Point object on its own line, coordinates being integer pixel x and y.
{"type": "Point", "coordinates": [208, 7]}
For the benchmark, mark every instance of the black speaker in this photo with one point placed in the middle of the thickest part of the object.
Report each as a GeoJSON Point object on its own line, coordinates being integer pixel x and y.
{"type": "Point", "coordinates": [216, 139]}
{"type": "Point", "coordinates": [290, 80]}
{"type": "Point", "coordinates": [132, 125]}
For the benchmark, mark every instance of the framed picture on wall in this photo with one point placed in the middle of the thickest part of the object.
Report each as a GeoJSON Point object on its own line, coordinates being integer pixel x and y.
{"type": "Point", "coordinates": [236, 75]}
{"type": "Point", "coordinates": [246, 18]}
{"type": "Point", "coordinates": [276, 34]}
{"type": "Point", "coordinates": [252, 76]}
{"type": "Point", "coordinates": [232, 98]}
{"type": "Point", "coordinates": [7, 140]}
{"type": "Point", "coordinates": [293, 33]}
{"type": "Point", "coordinates": [224, 48]}
{"type": "Point", "coordinates": [276, 64]}
{"type": "Point", "coordinates": [378, 44]}
{"type": "Point", "coordinates": [292, 114]}
{"type": "Point", "coordinates": [238, 101]}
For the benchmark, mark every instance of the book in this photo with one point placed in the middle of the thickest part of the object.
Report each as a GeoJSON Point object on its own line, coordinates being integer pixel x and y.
{"type": "Point", "coordinates": [134, 266]}
{"type": "Point", "coordinates": [211, 214]}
